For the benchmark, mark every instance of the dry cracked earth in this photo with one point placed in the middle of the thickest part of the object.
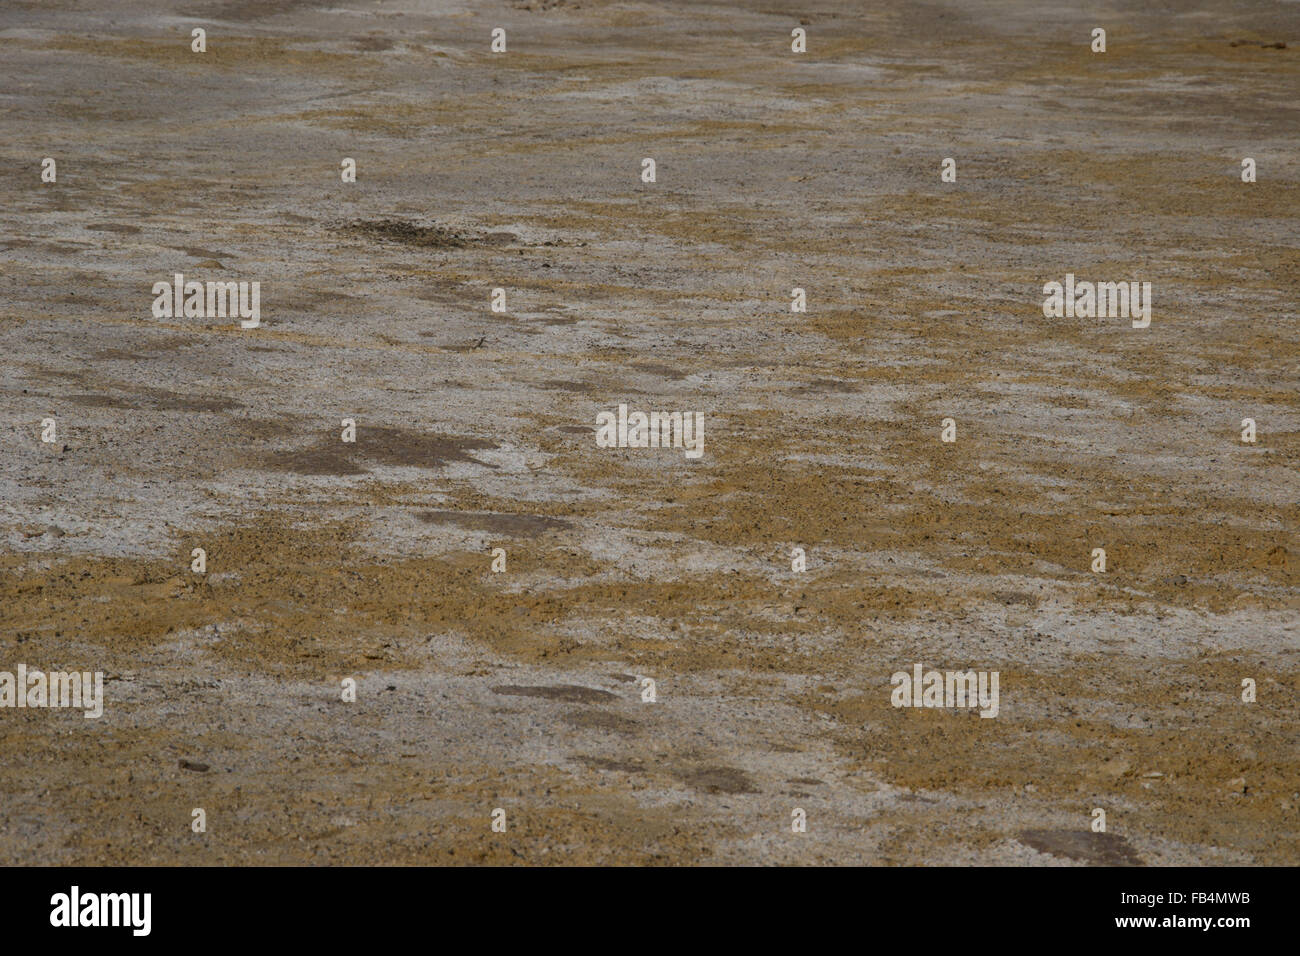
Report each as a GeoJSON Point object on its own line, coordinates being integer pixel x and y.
{"type": "Point", "coordinates": [475, 430]}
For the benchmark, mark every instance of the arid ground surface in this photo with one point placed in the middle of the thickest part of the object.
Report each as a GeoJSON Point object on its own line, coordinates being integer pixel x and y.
{"type": "Point", "coordinates": [475, 430]}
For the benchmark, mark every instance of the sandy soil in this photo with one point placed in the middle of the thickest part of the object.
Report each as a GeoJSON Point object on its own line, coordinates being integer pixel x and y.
{"type": "Point", "coordinates": [475, 430]}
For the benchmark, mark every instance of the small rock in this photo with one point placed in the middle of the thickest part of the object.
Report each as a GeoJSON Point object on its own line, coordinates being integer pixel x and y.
{"type": "Point", "coordinates": [196, 767]}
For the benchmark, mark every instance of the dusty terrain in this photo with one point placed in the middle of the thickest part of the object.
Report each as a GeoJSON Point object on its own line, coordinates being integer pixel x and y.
{"type": "Point", "coordinates": [475, 430]}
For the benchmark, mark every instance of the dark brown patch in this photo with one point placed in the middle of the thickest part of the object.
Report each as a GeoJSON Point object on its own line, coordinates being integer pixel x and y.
{"type": "Point", "coordinates": [807, 781]}
{"type": "Point", "coordinates": [576, 429]}
{"type": "Point", "coordinates": [407, 233]}
{"type": "Point", "coordinates": [584, 388]}
{"type": "Point", "coordinates": [572, 693]}
{"type": "Point", "coordinates": [1100, 849]}
{"type": "Point", "coordinates": [663, 370]}
{"type": "Point", "coordinates": [915, 798]}
{"type": "Point", "coordinates": [601, 720]}
{"type": "Point", "coordinates": [114, 227]}
{"type": "Point", "coordinates": [315, 461]}
{"type": "Point", "coordinates": [541, 6]}
{"type": "Point", "coordinates": [264, 429]}
{"type": "Point", "coordinates": [183, 403]}
{"type": "Point", "coordinates": [618, 766]}
{"type": "Point", "coordinates": [120, 355]}
{"type": "Point", "coordinates": [191, 765]}
{"type": "Point", "coordinates": [438, 290]}
{"type": "Point", "coordinates": [1015, 597]}
{"type": "Point", "coordinates": [824, 385]}
{"type": "Point", "coordinates": [397, 446]}
{"type": "Point", "coordinates": [389, 446]}
{"type": "Point", "coordinates": [157, 400]}
{"type": "Point", "coordinates": [526, 525]}
{"type": "Point", "coordinates": [719, 780]}
{"type": "Point", "coordinates": [100, 401]}
{"type": "Point", "coordinates": [198, 253]}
